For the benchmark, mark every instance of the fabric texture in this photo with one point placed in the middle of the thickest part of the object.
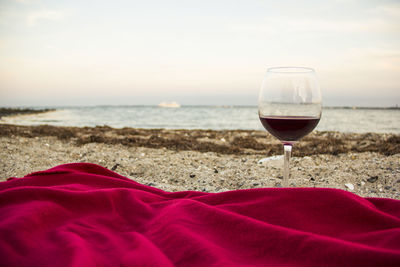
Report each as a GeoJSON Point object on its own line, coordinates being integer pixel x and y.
{"type": "Point", "coordinates": [85, 215]}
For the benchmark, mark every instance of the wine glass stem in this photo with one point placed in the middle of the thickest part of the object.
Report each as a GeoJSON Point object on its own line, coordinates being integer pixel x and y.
{"type": "Point", "coordinates": [287, 148]}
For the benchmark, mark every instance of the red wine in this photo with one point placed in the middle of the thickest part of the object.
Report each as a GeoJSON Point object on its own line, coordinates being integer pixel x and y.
{"type": "Point", "coordinates": [289, 128]}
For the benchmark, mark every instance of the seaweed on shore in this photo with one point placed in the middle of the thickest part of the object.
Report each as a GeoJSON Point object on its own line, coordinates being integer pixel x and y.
{"type": "Point", "coordinates": [239, 142]}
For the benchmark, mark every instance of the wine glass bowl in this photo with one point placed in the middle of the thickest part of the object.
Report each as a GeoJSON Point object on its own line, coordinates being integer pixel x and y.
{"type": "Point", "coordinates": [289, 106]}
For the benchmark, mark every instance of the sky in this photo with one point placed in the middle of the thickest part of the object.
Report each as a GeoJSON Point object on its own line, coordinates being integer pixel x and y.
{"type": "Point", "coordinates": [194, 52]}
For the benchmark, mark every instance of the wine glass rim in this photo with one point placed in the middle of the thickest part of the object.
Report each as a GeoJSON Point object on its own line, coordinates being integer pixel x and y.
{"type": "Point", "coordinates": [291, 70]}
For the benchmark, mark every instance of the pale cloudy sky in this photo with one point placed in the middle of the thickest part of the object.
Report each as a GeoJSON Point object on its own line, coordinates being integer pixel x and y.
{"type": "Point", "coordinates": [195, 52]}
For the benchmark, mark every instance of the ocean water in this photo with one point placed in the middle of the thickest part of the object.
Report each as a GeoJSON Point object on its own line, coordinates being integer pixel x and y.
{"type": "Point", "coordinates": [206, 117]}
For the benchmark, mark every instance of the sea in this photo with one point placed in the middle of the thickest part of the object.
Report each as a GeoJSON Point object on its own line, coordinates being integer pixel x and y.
{"type": "Point", "coordinates": [342, 119]}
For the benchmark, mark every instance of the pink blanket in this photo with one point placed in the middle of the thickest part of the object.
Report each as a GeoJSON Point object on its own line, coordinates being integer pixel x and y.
{"type": "Point", "coordinates": [85, 215]}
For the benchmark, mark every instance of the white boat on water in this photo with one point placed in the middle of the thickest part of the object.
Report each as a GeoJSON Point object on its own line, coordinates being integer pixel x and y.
{"type": "Point", "coordinates": [169, 105]}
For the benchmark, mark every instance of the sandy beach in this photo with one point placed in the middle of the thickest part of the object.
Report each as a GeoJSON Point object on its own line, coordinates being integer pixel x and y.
{"type": "Point", "coordinates": [208, 160]}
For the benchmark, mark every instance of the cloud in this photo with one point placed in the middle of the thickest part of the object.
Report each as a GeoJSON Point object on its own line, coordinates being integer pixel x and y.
{"type": "Point", "coordinates": [281, 25]}
{"type": "Point", "coordinates": [35, 17]}
{"type": "Point", "coordinates": [340, 26]}
{"type": "Point", "coordinates": [378, 59]}
{"type": "Point", "coordinates": [25, 1]}
{"type": "Point", "coordinates": [392, 10]}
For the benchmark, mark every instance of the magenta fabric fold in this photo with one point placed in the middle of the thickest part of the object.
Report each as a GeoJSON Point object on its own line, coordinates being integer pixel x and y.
{"type": "Point", "coordinates": [85, 215]}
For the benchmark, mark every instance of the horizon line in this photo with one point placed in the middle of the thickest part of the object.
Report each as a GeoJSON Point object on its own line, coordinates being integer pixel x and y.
{"type": "Point", "coordinates": [183, 105]}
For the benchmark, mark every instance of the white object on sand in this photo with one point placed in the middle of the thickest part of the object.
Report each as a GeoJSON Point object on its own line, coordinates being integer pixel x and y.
{"type": "Point", "coordinates": [350, 186]}
{"type": "Point", "coordinates": [279, 157]}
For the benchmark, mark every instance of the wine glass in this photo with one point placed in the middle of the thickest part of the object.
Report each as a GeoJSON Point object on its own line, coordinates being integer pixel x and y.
{"type": "Point", "coordinates": [289, 106]}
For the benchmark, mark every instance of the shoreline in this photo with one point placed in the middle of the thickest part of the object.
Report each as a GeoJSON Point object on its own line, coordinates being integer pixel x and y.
{"type": "Point", "coordinates": [209, 160]}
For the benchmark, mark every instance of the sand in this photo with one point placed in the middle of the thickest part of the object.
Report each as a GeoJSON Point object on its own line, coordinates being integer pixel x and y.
{"type": "Point", "coordinates": [212, 161]}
